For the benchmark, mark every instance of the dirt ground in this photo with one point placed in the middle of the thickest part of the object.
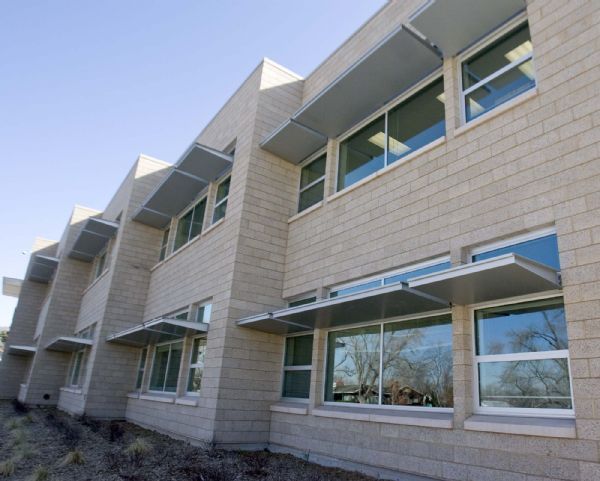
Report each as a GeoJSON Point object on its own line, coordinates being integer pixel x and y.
{"type": "Point", "coordinates": [48, 445]}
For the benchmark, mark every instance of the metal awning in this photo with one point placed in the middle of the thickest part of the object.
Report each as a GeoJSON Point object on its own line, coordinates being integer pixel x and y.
{"type": "Point", "coordinates": [21, 350]}
{"type": "Point", "coordinates": [192, 173]}
{"type": "Point", "coordinates": [397, 63]}
{"type": "Point", "coordinates": [455, 25]}
{"type": "Point", "coordinates": [42, 268]}
{"type": "Point", "coordinates": [375, 304]}
{"type": "Point", "coordinates": [499, 277]}
{"type": "Point", "coordinates": [68, 344]}
{"type": "Point", "coordinates": [11, 286]}
{"type": "Point", "coordinates": [157, 330]}
{"type": "Point", "coordinates": [93, 238]}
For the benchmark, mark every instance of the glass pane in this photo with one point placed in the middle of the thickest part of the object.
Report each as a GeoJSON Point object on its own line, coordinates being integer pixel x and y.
{"type": "Point", "coordinates": [541, 384]}
{"type": "Point", "coordinates": [159, 368]}
{"type": "Point", "coordinates": [182, 316]}
{"type": "Point", "coordinates": [543, 249]}
{"type": "Point", "coordinates": [417, 363]}
{"type": "Point", "coordinates": [298, 350]}
{"type": "Point", "coordinates": [313, 171]}
{"type": "Point", "coordinates": [165, 243]}
{"type": "Point", "coordinates": [173, 369]}
{"type": "Point", "coordinates": [416, 273]}
{"type": "Point", "coordinates": [311, 196]}
{"type": "Point", "coordinates": [353, 365]}
{"type": "Point", "coordinates": [499, 90]}
{"type": "Point", "coordinates": [301, 302]}
{"type": "Point", "coordinates": [220, 211]}
{"type": "Point", "coordinates": [362, 153]}
{"type": "Point", "coordinates": [499, 54]}
{"type": "Point", "coordinates": [296, 384]}
{"type": "Point", "coordinates": [203, 313]}
{"type": "Point", "coordinates": [354, 289]}
{"type": "Point", "coordinates": [529, 327]}
{"type": "Point", "coordinates": [198, 351]}
{"type": "Point", "coordinates": [195, 379]}
{"type": "Point", "coordinates": [141, 366]}
{"type": "Point", "coordinates": [197, 219]}
{"type": "Point", "coordinates": [223, 190]}
{"type": "Point", "coordinates": [197, 360]}
{"type": "Point", "coordinates": [163, 253]}
{"type": "Point", "coordinates": [183, 230]}
{"type": "Point", "coordinates": [76, 368]}
{"type": "Point", "coordinates": [416, 122]}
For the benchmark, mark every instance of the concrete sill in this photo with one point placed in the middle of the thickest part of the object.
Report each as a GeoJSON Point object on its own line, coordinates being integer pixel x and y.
{"type": "Point", "coordinates": [187, 401]}
{"type": "Point", "coordinates": [133, 395]}
{"type": "Point", "coordinates": [72, 390]}
{"type": "Point", "coordinates": [530, 426]}
{"type": "Point", "coordinates": [290, 408]}
{"type": "Point", "coordinates": [306, 211]}
{"type": "Point", "coordinates": [388, 416]}
{"type": "Point", "coordinates": [158, 398]}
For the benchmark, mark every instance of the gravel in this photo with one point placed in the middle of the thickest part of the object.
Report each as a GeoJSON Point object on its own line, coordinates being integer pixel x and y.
{"type": "Point", "coordinates": [45, 441]}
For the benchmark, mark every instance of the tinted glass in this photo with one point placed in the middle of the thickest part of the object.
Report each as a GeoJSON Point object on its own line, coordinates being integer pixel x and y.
{"type": "Point", "coordinates": [543, 249]}
{"type": "Point", "coordinates": [197, 219]}
{"type": "Point", "coordinates": [416, 273]}
{"type": "Point", "coordinates": [165, 243]}
{"type": "Point", "coordinates": [183, 230]}
{"type": "Point", "coordinates": [203, 313]}
{"type": "Point", "coordinates": [530, 327]}
{"type": "Point", "coordinates": [362, 153]}
{"type": "Point", "coordinates": [223, 190]}
{"type": "Point", "coordinates": [416, 122]}
{"type": "Point", "coordinates": [140, 375]}
{"type": "Point", "coordinates": [301, 302]}
{"type": "Point", "coordinates": [354, 289]}
{"type": "Point", "coordinates": [296, 384]}
{"type": "Point", "coordinates": [313, 171]}
{"type": "Point", "coordinates": [417, 363]}
{"type": "Point", "coordinates": [298, 350]}
{"type": "Point", "coordinates": [353, 365]}
{"type": "Point", "coordinates": [173, 369]}
{"type": "Point", "coordinates": [159, 368]}
{"type": "Point", "coordinates": [311, 196]}
{"type": "Point", "coordinates": [541, 384]}
{"type": "Point", "coordinates": [197, 359]}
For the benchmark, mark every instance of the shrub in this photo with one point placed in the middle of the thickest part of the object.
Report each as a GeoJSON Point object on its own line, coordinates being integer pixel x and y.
{"type": "Point", "coordinates": [137, 450]}
{"type": "Point", "coordinates": [73, 457]}
{"type": "Point", "coordinates": [25, 451]}
{"type": "Point", "coordinates": [41, 473]}
{"type": "Point", "coordinates": [7, 468]}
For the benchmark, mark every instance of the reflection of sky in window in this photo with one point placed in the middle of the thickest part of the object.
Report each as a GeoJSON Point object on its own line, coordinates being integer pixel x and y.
{"type": "Point", "coordinates": [543, 249]}
{"type": "Point", "coordinates": [362, 345]}
{"type": "Point", "coordinates": [524, 329]}
{"type": "Point", "coordinates": [416, 273]}
{"type": "Point", "coordinates": [354, 289]}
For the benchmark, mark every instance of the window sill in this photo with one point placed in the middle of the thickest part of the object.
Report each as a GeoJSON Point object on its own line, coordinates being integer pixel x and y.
{"type": "Point", "coordinates": [72, 390]}
{"type": "Point", "coordinates": [306, 211]}
{"type": "Point", "coordinates": [133, 395]}
{"type": "Point", "coordinates": [161, 398]}
{"type": "Point", "coordinates": [95, 281]}
{"type": "Point", "coordinates": [427, 419]}
{"type": "Point", "coordinates": [213, 226]}
{"type": "Point", "coordinates": [189, 400]}
{"type": "Point", "coordinates": [426, 148]}
{"type": "Point", "coordinates": [530, 426]}
{"type": "Point", "coordinates": [524, 97]}
{"type": "Point", "coordinates": [290, 408]}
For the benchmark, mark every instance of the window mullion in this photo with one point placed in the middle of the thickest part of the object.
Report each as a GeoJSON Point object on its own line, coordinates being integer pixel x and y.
{"type": "Point", "coordinates": [167, 369]}
{"type": "Point", "coordinates": [497, 73]}
{"type": "Point", "coordinates": [312, 184]}
{"type": "Point", "coordinates": [381, 365]}
{"type": "Point", "coordinates": [386, 141]}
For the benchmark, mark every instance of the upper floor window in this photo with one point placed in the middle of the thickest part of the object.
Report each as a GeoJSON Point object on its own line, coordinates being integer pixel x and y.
{"type": "Point", "coordinates": [164, 244]}
{"type": "Point", "coordinates": [100, 264]}
{"type": "Point", "coordinates": [312, 183]}
{"type": "Point", "coordinates": [190, 224]}
{"type": "Point", "coordinates": [302, 301]}
{"type": "Point", "coordinates": [498, 73]}
{"type": "Point", "coordinates": [221, 200]}
{"type": "Point", "coordinates": [412, 124]}
{"type": "Point", "coordinates": [203, 312]}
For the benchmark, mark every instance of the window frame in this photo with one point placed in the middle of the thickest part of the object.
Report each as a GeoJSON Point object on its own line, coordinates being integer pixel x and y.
{"type": "Point", "coordinates": [141, 370]}
{"type": "Point", "coordinates": [382, 323]}
{"type": "Point", "coordinates": [164, 246]}
{"type": "Point", "coordinates": [384, 110]}
{"type": "Point", "coordinates": [101, 263]}
{"type": "Point", "coordinates": [313, 158]}
{"type": "Point", "coordinates": [485, 42]}
{"type": "Point", "coordinates": [226, 177]}
{"type": "Point", "coordinates": [285, 368]}
{"type": "Point", "coordinates": [191, 208]}
{"type": "Point", "coordinates": [195, 309]}
{"type": "Point", "coordinates": [163, 392]}
{"type": "Point", "coordinates": [560, 354]}
{"type": "Point", "coordinates": [77, 383]}
{"type": "Point", "coordinates": [194, 365]}
{"type": "Point", "coordinates": [509, 241]}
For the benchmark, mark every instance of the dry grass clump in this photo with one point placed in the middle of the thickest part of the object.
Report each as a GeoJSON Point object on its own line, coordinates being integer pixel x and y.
{"type": "Point", "coordinates": [25, 451]}
{"type": "Point", "coordinates": [41, 473]}
{"type": "Point", "coordinates": [73, 457]}
{"type": "Point", "coordinates": [18, 438]}
{"type": "Point", "coordinates": [7, 468]}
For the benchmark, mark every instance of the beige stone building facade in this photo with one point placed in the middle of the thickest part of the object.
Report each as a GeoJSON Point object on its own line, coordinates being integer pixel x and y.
{"type": "Point", "coordinates": [391, 265]}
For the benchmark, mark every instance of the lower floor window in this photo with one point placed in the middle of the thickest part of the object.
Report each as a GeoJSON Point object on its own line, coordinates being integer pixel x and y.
{"type": "Point", "coordinates": [196, 365]}
{"type": "Point", "coordinates": [403, 363]}
{"type": "Point", "coordinates": [297, 366]}
{"type": "Point", "coordinates": [522, 357]}
{"type": "Point", "coordinates": [165, 367]}
{"type": "Point", "coordinates": [77, 369]}
{"type": "Point", "coordinates": [141, 368]}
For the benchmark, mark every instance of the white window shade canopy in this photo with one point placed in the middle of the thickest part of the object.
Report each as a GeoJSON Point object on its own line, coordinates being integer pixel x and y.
{"type": "Point", "coordinates": [68, 344]}
{"type": "Point", "coordinates": [11, 286]}
{"type": "Point", "coordinates": [394, 65]}
{"type": "Point", "coordinates": [505, 276]}
{"type": "Point", "coordinates": [19, 350]}
{"type": "Point", "coordinates": [42, 268]}
{"type": "Point", "coordinates": [157, 330]}
{"type": "Point", "coordinates": [94, 237]}
{"type": "Point", "coordinates": [192, 173]}
{"type": "Point", "coordinates": [454, 25]}
{"type": "Point", "coordinates": [372, 305]}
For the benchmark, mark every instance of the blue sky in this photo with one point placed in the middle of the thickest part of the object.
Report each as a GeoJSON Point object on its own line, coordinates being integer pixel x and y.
{"type": "Point", "coordinates": [85, 86]}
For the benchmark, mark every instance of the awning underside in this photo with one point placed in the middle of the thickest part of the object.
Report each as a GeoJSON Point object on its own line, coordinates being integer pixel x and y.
{"type": "Point", "coordinates": [93, 238]}
{"type": "Point", "coordinates": [68, 344]}
{"type": "Point", "coordinates": [157, 330]}
{"type": "Point", "coordinates": [381, 303]}
{"type": "Point", "coordinates": [21, 350]}
{"type": "Point", "coordinates": [199, 166]}
{"type": "Point", "coordinates": [11, 286]}
{"type": "Point", "coordinates": [457, 24]}
{"type": "Point", "coordinates": [501, 277]}
{"type": "Point", "coordinates": [389, 69]}
{"type": "Point", "coordinates": [42, 268]}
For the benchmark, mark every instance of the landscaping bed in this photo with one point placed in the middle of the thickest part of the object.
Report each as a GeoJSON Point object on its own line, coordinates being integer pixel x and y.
{"type": "Point", "coordinates": [45, 444]}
